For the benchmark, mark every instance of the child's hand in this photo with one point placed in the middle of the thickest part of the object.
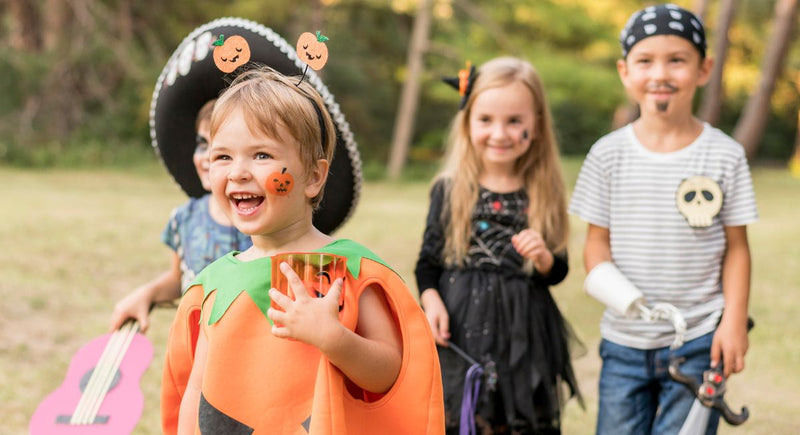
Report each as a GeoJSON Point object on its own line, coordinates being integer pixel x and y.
{"type": "Point", "coordinates": [135, 305]}
{"type": "Point", "coordinates": [530, 244]}
{"type": "Point", "coordinates": [437, 315]}
{"type": "Point", "coordinates": [312, 320]}
{"type": "Point", "coordinates": [730, 343]}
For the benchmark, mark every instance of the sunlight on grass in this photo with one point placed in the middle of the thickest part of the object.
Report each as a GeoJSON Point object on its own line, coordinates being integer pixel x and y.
{"type": "Point", "coordinates": [76, 241]}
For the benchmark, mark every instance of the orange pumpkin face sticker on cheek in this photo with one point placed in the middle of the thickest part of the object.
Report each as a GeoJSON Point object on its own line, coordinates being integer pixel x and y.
{"type": "Point", "coordinates": [231, 53]}
{"type": "Point", "coordinates": [280, 183]}
{"type": "Point", "coordinates": [312, 49]}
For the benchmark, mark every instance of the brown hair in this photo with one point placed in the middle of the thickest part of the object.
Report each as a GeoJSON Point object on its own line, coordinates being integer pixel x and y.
{"type": "Point", "coordinates": [267, 99]}
{"type": "Point", "coordinates": [204, 114]}
{"type": "Point", "coordinates": [540, 166]}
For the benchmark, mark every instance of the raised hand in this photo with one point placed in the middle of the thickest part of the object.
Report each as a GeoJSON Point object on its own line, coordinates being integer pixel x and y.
{"type": "Point", "coordinates": [309, 319]}
{"type": "Point", "coordinates": [530, 244]}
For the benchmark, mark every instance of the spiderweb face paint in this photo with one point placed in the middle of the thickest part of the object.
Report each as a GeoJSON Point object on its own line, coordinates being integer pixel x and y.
{"type": "Point", "coordinates": [280, 183]}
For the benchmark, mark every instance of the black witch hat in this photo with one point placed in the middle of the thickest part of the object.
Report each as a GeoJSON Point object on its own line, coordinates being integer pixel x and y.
{"type": "Point", "coordinates": [463, 83]}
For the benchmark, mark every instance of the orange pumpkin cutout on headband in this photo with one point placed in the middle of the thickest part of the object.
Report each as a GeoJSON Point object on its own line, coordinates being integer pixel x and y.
{"type": "Point", "coordinates": [463, 80]}
{"type": "Point", "coordinates": [280, 183]}
{"type": "Point", "coordinates": [231, 53]}
{"type": "Point", "coordinates": [312, 49]}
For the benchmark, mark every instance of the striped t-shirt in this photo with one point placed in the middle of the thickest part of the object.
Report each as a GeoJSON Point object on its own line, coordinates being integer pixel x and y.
{"type": "Point", "coordinates": [631, 191]}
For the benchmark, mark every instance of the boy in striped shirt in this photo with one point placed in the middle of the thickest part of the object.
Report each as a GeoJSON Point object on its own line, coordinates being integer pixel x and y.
{"type": "Point", "coordinates": [667, 199]}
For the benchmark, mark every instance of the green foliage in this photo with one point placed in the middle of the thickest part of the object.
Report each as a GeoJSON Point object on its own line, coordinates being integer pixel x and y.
{"type": "Point", "coordinates": [93, 90]}
{"type": "Point", "coordinates": [582, 100]}
{"type": "Point", "coordinates": [79, 154]}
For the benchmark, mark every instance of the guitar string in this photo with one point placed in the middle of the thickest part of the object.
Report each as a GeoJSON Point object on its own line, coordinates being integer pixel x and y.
{"type": "Point", "coordinates": [105, 381]}
{"type": "Point", "coordinates": [103, 374]}
{"type": "Point", "coordinates": [117, 362]}
{"type": "Point", "coordinates": [107, 372]}
{"type": "Point", "coordinates": [79, 416]}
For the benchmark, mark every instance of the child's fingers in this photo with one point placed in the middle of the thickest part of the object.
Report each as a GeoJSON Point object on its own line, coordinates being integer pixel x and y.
{"type": "Point", "coordinates": [116, 322]}
{"type": "Point", "coordinates": [440, 326]}
{"type": "Point", "coordinates": [529, 248]}
{"type": "Point", "coordinates": [280, 299]}
{"type": "Point", "coordinates": [277, 316]}
{"type": "Point", "coordinates": [280, 331]}
{"type": "Point", "coordinates": [716, 351]}
{"type": "Point", "coordinates": [335, 291]}
{"type": "Point", "coordinates": [444, 327]}
{"type": "Point", "coordinates": [144, 323]}
{"type": "Point", "coordinates": [295, 282]}
{"type": "Point", "coordinates": [728, 361]}
{"type": "Point", "coordinates": [734, 362]}
{"type": "Point", "coordinates": [738, 364]}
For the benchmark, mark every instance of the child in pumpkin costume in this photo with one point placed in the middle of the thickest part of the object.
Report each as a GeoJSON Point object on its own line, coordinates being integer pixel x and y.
{"type": "Point", "coordinates": [362, 364]}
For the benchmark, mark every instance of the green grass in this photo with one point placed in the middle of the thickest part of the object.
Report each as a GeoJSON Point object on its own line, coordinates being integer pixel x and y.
{"type": "Point", "coordinates": [75, 241]}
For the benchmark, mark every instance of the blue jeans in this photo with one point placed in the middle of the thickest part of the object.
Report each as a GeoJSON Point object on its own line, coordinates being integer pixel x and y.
{"type": "Point", "coordinates": [637, 396]}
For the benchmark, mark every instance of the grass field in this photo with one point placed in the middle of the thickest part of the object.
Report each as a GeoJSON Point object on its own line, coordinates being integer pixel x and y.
{"type": "Point", "coordinates": [74, 242]}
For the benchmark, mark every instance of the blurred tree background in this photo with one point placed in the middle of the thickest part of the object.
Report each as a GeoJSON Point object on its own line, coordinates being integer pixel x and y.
{"type": "Point", "coordinates": [79, 74]}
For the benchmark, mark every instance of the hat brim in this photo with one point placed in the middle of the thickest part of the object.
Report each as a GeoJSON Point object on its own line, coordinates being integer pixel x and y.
{"type": "Point", "coordinates": [190, 78]}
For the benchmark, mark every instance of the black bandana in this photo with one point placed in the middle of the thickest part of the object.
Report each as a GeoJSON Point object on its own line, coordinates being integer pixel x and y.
{"type": "Point", "coordinates": [666, 19]}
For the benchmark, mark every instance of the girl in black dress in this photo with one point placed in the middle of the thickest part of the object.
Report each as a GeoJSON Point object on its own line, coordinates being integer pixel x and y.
{"type": "Point", "coordinates": [495, 240]}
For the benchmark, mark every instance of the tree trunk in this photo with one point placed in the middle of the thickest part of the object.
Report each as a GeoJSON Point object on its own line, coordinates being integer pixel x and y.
{"type": "Point", "coordinates": [404, 122]}
{"type": "Point", "coordinates": [712, 95]}
{"type": "Point", "coordinates": [700, 8]}
{"type": "Point", "coordinates": [794, 163]}
{"type": "Point", "coordinates": [54, 17]}
{"type": "Point", "coordinates": [125, 21]}
{"type": "Point", "coordinates": [750, 127]}
{"type": "Point", "coordinates": [25, 31]}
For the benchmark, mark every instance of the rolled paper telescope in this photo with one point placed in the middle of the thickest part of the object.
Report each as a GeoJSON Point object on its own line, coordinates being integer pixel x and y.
{"type": "Point", "coordinates": [608, 285]}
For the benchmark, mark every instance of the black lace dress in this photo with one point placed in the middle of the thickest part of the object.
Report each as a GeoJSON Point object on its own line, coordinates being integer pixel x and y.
{"type": "Point", "coordinates": [502, 317]}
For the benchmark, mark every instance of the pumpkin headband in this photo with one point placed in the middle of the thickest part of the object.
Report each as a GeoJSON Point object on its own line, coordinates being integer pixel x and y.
{"type": "Point", "coordinates": [192, 76]}
{"type": "Point", "coordinates": [322, 130]}
{"type": "Point", "coordinates": [463, 83]}
{"type": "Point", "coordinates": [312, 50]}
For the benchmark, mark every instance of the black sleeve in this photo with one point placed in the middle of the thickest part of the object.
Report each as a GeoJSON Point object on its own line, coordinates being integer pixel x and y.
{"type": "Point", "coordinates": [429, 263]}
{"type": "Point", "coordinates": [559, 270]}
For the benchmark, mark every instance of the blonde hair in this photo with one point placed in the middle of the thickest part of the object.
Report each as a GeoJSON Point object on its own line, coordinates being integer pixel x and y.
{"type": "Point", "coordinates": [268, 99]}
{"type": "Point", "coordinates": [540, 167]}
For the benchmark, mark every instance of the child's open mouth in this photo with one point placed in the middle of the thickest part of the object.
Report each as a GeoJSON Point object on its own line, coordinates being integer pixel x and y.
{"type": "Point", "coordinates": [246, 202]}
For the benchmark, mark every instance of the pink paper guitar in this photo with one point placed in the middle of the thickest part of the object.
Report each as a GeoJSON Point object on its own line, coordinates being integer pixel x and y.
{"type": "Point", "coordinates": [100, 394]}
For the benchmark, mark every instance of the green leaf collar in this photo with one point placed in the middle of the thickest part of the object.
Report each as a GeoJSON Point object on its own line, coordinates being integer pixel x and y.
{"type": "Point", "coordinates": [229, 276]}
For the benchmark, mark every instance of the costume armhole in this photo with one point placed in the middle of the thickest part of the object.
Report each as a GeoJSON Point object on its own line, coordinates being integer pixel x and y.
{"type": "Point", "coordinates": [380, 285]}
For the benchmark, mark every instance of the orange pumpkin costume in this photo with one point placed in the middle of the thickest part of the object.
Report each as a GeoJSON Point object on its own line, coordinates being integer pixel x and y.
{"type": "Point", "coordinates": [257, 383]}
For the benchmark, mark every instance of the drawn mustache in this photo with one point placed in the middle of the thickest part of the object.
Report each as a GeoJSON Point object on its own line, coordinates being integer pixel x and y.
{"type": "Point", "coordinates": [660, 87]}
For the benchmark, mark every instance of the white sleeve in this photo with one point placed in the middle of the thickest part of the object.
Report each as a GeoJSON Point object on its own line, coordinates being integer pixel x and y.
{"type": "Point", "coordinates": [739, 203]}
{"type": "Point", "coordinates": [591, 196]}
